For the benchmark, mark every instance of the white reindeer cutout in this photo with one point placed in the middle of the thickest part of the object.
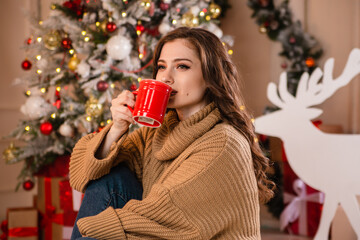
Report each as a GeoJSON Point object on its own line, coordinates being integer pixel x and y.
{"type": "Point", "coordinates": [327, 162]}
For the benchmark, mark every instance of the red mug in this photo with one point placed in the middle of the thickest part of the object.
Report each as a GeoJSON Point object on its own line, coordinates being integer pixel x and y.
{"type": "Point", "coordinates": [151, 102]}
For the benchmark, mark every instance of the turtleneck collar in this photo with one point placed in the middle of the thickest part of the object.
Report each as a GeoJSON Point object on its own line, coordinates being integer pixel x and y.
{"type": "Point", "coordinates": [174, 136]}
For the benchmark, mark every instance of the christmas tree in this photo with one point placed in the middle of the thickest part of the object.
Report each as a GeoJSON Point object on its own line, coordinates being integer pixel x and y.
{"type": "Point", "coordinates": [83, 55]}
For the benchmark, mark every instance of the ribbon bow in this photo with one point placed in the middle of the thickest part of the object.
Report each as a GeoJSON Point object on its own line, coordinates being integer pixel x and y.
{"type": "Point", "coordinates": [296, 209]}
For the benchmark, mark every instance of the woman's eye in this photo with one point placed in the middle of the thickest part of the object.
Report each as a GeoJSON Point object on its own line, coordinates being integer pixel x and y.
{"type": "Point", "coordinates": [183, 66]}
{"type": "Point", "coordinates": [161, 67]}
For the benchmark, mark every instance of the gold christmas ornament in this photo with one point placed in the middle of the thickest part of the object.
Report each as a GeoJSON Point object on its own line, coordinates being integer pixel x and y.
{"type": "Point", "coordinates": [10, 153]}
{"type": "Point", "coordinates": [52, 40]}
{"type": "Point", "coordinates": [262, 29]}
{"type": "Point", "coordinates": [103, 25]}
{"type": "Point", "coordinates": [215, 10]}
{"type": "Point", "coordinates": [73, 62]}
{"type": "Point", "coordinates": [189, 20]}
{"type": "Point", "coordinates": [93, 107]}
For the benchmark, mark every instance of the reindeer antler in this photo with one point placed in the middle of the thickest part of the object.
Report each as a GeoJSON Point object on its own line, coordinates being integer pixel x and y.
{"type": "Point", "coordinates": [311, 91]}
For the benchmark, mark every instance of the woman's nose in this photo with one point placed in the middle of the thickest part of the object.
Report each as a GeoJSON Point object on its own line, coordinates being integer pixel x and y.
{"type": "Point", "coordinates": [167, 79]}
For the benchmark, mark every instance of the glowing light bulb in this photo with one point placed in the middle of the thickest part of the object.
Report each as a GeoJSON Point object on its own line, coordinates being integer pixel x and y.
{"type": "Point", "coordinates": [123, 14]}
{"type": "Point", "coordinates": [108, 121]}
{"type": "Point", "coordinates": [38, 57]}
{"type": "Point", "coordinates": [43, 90]}
{"type": "Point", "coordinates": [27, 128]}
{"type": "Point", "coordinates": [58, 89]}
{"type": "Point", "coordinates": [58, 70]}
{"type": "Point", "coordinates": [53, 115]}
{"type": "Point", "coordinates": [71, 51]}
{"type": "Point", "coordinates": [28, 92]}
{"type": "Point", "coordinates": [39, 39]}
{"type": "Point", "coordinates": [230, 52]}
{"type": "Point", "coordinates": [38, 71]}
{"type": "Point", "coordinates": [88, 118]}
{"type": "Point", "coordinates": [86, 39]}
{"type": "Point", "coordinates": [139, 79]}
{"type": "Point", "coordinates": [242, 107]}
{"type": "Point", "coordinates": [83, 33]}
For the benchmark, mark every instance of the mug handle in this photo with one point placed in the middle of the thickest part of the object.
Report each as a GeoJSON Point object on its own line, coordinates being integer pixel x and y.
{"type": "Point", "coordinates": [135, 94]}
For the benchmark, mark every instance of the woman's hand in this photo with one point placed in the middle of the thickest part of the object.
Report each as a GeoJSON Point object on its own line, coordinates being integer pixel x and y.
{"type": "Point", "coordinates": [121, 114]}
{"type": "Point", "coordinates": [122, 118]}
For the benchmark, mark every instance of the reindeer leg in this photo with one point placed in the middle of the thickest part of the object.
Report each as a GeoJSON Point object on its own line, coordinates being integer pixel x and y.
{"type": "Point", "coordinates": [328, 212]}
{"type": "Point", "coordinates": [351, 208]}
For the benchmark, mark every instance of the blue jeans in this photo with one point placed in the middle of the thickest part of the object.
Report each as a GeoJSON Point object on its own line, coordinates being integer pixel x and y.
{"type": "Point", "coordinates": [114, 189]}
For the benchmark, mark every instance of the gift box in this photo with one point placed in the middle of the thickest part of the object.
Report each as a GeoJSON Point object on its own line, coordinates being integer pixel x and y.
{"type": "Point", "coordinates": [22, 224]}
{"type": "Point", "coordinates": [303, 205]}
{"type": "Point", "coordinates": [55, 200]}
{"type": "Point", "coordinates": [55, 204]}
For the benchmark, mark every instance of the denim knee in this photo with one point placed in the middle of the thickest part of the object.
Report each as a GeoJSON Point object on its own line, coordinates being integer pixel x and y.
{"type": "Point", "coordinates": [120, 182]}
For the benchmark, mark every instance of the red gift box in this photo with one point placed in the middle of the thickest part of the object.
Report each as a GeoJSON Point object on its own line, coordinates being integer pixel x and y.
{"type": "Point", "coordinates": [55, 201]}
{"type": "Point", "coordinates": [303, 205]}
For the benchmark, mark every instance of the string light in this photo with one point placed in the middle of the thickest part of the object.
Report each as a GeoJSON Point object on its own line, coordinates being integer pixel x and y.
{"type": "Point", "coordinates": [27, 128]}
{"type": "Point", "coordinates": [83, 33]}
{"type": "Point", "coordinates": [58, 89]}
{"type": "Point", "coordinates": [253, 120]}
{"type": "Point", "coordinates": [28, 92]}
{"type": "Point", "coordinates": [201, 14]}
{"type": "Point", "coordinates": [38, 71]}
{"type": "Point", "coordinates": [256, 139]}
{"type": "Point", "coordinates": [207, 18]}
{"type": "Point", "coordinates": [174, 22]}
{"type": "Point", "coordinates": [139, 79]}
{"type": "Point", "coordinates": [123, 14]}
{"type": "Point", "coordinates": [108, 121]}
{"type": "Point", "coordinates": [71, 51]}
{"type": "Point", "coordinates": [242, 107]}
{"type": "Point", "coordinates": [53, 115]}
{"type": "Point", "coordinates": [39, 39]}
{"type": "Point", "coordinates": [53, 7]}
{"type": "Point", "coordinates": [141, 55]}
{"type": "Point", "coordinates": [230, 52]}
{"type": "Point", "coordinates": [86, 39]}
{"type": "Point", "coordinates": [38, 57]}
{"type": "Point", "coordinates": [40, 22]}
{"type": "Point", "coordinates": [102, 124]}
{"type": "Point", "coordinates": [97, 24]}
{"type": "Point", "coordinates": [43, 90]}
{"type": "Point", "coordinates": [58, 70]}
{"type": "Point", "coordinates": [88, 118]}
{"type": "Point", "coordinates": [112, 85]}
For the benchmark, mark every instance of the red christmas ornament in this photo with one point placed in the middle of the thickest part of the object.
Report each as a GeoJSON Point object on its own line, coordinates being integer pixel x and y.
{"type": "Point", "coordinates": [57, 103]}
{"type": "Point", "coordinates": [164, 6]}
{"type": "Point", "coordinates": [29, 41]}
{"type": "Point", "coordinates": [28, 185]}
{"type": "Point", "coordinates": [310, 62]}
{"type": "Point", "coordinates": [140, 28]}
{"type": "Point", "coordinates": [292, 40]}
{"type": "Point", "coordinates": [66, 43]}
{"type": "Point", "coordinates": [111, 27]}
{"type": "Point", "coordinates": [26, 65]}
{"type": "Point", "coordinates": [102, 86]}
{"type": "Point", "coordinates": [284, 65]}
{"type": "Point", "coordinates": [133, 87]}
{"type": "Point", "coordinates": [46, 128]}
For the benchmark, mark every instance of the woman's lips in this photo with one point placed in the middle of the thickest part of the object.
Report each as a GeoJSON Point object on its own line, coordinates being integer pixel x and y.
{"type": "Point", "coordinates": [173, 92]}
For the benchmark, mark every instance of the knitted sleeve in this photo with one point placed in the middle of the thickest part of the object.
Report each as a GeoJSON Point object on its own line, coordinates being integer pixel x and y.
{"type": "Point", "coordinates": [84, 166]}
{"type": "Point", "coordinates": [210, 193]}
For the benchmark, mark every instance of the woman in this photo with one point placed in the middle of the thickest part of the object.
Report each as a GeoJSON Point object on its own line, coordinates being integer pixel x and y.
{"type": "Point", "coordinates": [199, 176]}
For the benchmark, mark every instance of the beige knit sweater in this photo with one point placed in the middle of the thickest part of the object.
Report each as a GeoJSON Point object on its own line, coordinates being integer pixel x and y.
{"type": "Point", "coordinates": [197, 175]}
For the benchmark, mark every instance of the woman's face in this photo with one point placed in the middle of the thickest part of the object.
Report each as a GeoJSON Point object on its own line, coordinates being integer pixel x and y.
{"type": "Point", "coordinates": [179, 66]}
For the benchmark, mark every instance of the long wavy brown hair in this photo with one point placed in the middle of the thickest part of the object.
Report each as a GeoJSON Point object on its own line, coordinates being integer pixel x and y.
{"type": "Point", "coordinates": [223, 89]}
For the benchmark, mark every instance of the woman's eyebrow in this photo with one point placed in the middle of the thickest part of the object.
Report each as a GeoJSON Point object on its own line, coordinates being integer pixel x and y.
{"type": "Point", "coordinates": [176, 60]}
